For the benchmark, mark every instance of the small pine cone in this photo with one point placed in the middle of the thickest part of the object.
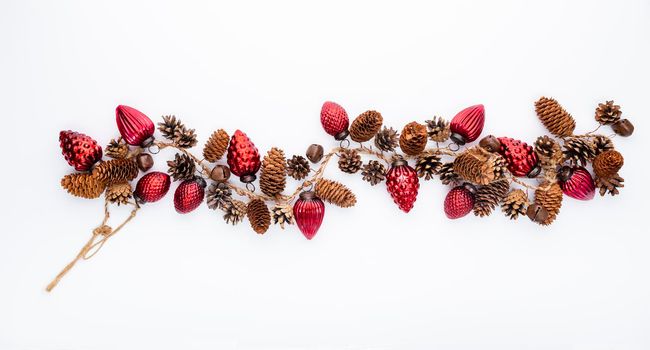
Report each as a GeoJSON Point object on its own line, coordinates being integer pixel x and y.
{"type": "Point", "coordinates": [578, 150]}
{"type": "Point", "coordinates": [609, 184]}
{"type": "Point", "coordinates": [235, 211]}
{"type": "Point", "coordinates": [439, 130]}
{"type": "Point", "coordinates": [185, 138]}
{"type": "Point", "coordinates": [219, 195]}
{"type": "Point", "coordinates": [117, 149]}
{"type": "Point", "coordinates": [558, 121]}
{"type": "Point", "coordinates": [549, 197]}
{"type": "Point", "coordinates": [413, 139]}
{"type": "Point", "coordinates": [608, 113]}
{"type": "Point", "coordinates": [608, 163]}
{"type": "Point", "coordinates": [182, 167]}
{"type": "Point", "coordinates": [550, 156]}
{"type": "Point", "coordinates": [515, 204]}
{"type": "Point", "coordinates": [119, 192]}
{"type": "Point", "coordinates": [282, 214]}
{"type": "Point", "coordinates": [83, 185]}
{"type": "Point", "coordinates": [335, 193]}
{"type": "Point", "coordinates": [169, 126]}
{"type": "Point", "coordinates": [216, 146]}
{"type": "Point", "coordinates": [297, 167]}
{"type": "Point", "coordinates": [365, 126]}
{"type": "Point", "coordinates": [489, 196]}
{"type": "Point", "coordinates": [374, 172]}
{"type": "Point", "coordinates": [116, 170]}
{"type": "Point", "coordinates": [428, 165]}
{"type": "Point", "coordinates": [258, 215]}
{"type": "Point", "coordinates": [387, 139]}
{"type": "Point", "coordinates": [447, 174]}
{"type": "Point", "coordinates": [479, 166]}
{"type": "Point", "coordinates": [349, 161]}
{"type": "Point", "coordinates": [602, 144]}
{"type": "Point", "coordinates": [273, 176]}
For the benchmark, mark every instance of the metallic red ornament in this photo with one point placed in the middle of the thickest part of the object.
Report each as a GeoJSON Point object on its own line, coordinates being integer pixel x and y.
{"type": "Point", "coordinates": [152, 187]}
{"type": "Point", "coordinates": [135, 127]}
{"type": "Point", "coordinates": [80, 150]}
{"type": "Point", "coordinates": [459, 201]}
{"type": "Point", "coordinates": [467, 125]}
{"type": "Point", "coordinates": [403, 184]}
{"type": "Point", "coordinates": [243, 157]}
{"type": "Point", "coordinates": [522, 159]}
{"type": "Point", "coordinates": [189, 195]}
{"type": "Point", "coordinates": [335, 120]}
{"type": "Point", "coordinates": [309, 211]}
{"type": "Point", "coordinates": [576, 182]}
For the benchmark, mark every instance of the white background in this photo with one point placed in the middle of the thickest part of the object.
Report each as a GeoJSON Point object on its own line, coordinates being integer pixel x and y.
{"type": "Point", "coordinates": [373, 277]}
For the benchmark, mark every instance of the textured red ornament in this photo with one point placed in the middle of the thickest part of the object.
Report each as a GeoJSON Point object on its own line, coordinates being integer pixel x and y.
{"type": "Point", "coordinates": [576, 182]}
{"type": "Point", "coordinates": [335, 120]}
{"type": "Point", "coordinates": [467, 125]}
{"type": "Point", "coordinates": [189, 195]}
{"type": "Point", "coordinates": [459, 202]}
{"type": "Point", "coordinates": [243, 157]}
{"type": "Point", "coordinates": [152, 187]}
{"type": "Point", "coordinates": [309, 211]}
{"type": "Point", "coordinates": [79, 150]}
{"type": "Point", "coordinates": [403, 184]}
{"type": "Point", "coordinates": [522, 159]}
{"type": "Point", "coordinates": [135, 127]}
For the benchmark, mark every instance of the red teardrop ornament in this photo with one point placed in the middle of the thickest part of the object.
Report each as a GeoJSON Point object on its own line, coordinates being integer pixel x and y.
{"type": "Point", "coordinates": [189, 195]}
{"type": "Point", "coordinates": [521, 158]}
{"type": "Point", "coordinates": [467, 125]}
{"type": "Point", "coordinates": [403, 184]}
{"type": "Point", "coordinates": [152, 187]}
{"type": "Point", "coordinates": [79, 150]}
{"type": "Point", "coordinates": [335, 120]}
{"type": "Point", "coordinates": [309, 211]}
{"type": "Point", "coordinates": [243, 157]}
{"type": "Point", "coordinates": [135, 127]}
{"type": "Point", "coordinates": [459, 201]}
{"type": "Point", "coordinates": [576, 182]}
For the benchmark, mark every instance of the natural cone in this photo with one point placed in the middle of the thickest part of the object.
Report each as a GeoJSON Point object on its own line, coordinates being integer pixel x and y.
{"type": "Point", "coordinates": [438, 129]}
{"type": "Point", "coordinates": [365, 126]}
{"type": "Point", "coordinates": [216, 146]}
{"type": "Point", "coordinates": [182, 167]}
{"type": "Point", "coordinates": [608, 113]}
{"type": "Point", "coordinates": [578, 150]}
{"type": "Point", "coordinates": [428, 165]}
{"type": "Point", "coordinates": [349, 161]}
{"type": "Point", "coordinates": [169, 126]}
{"type": "Point", "coordinates": [219, 195]}
{"type": "Point", "coordinates": [558, 121]}
{"type": "Point", "coordinates": [602, 144]}
{"type": "Point", "coordinates": [413, 139]}
{"type": "Point", "coordinates": [83, 185]}
{"type": "Point", "coordinates": [335, 193]}
{"type": "Point", "coordinates": [119, 192]}
{"type": "Point", "coordinates": [374, 172]}
{"type": "Point", "coordinates": [608, 163]}
{"type": "Point", "coordinates": [235, 211]}
{"type": "Point", "coordinates": [489, 196]}
{"type": "Point", "coordinates": [297, 167]}
{"type": "Point", "coordinates": [116, 170]}
{"type": "Point", "coordinates": [258, 215]}
{"type": "Point", "coordinates": [386, 139]}
{"type": "Point", "coordinates": [282, 214]}
{"type": "Point", "coordinates": [609, 184]}
{"type": "Point", "coordinates": [273, 176]}
{"type": "Point", "coordinates": [515, 204]}
{"type": "Point", "coordinates": [479, 166]}
{"type": "Point", "coordinates": [447, 174]}
{"type": "Point", "coordinates": [117, 149]}
{"type": "Point", "coordinates": [185, 138]}
{"type": "Point", "coordinates": [549, 197]}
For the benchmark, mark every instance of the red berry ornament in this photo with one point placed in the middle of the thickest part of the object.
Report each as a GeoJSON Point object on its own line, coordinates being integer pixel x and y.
{"type": "Point", "coordinates": [403, 184]}
{"type": "Point", "coordinates": [189, 195]}
{"type": "Point", "coordinates": [467, 125]}
{"type": "Point", "coordinates": [576, 182]}
{"type": "Point", "coordinates": [459, 201]}
{"type": "Point", "coordinates": [522, 159]}
{"type": "Point", "coordinates": [243, 157]}
{"type": "Point", "coordinates": [79, 150]}
{"type": "Point", "coordinates": [335, 120]}
{"type": "Point", "coordinates": [152, 187]}
{"type": "Point", "coordinates": [135, 127]}
{"type": "Point", "coordinates": [309, 211]}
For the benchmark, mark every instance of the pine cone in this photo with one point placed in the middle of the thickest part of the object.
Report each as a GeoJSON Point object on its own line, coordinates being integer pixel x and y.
{"type": "Point", "coordinates": [297, 167]}
{"type": "Point", "coordinates": [413, 139]}
{"type": "Point", "coordinates": [117, 149]}
{"type": "Point", "coordinates": [282, 214]}
{"type": "Point", "coordinates": [365, 126]}
{"type": "Point", "coordinates": [83, 185]}
{"type": "Point", "coordinates": [273, 176]}
{"type": "Point", "coordinates": [219, 195]}
{"type": "Point", "coordinates": [608, 113]}
{"type": "Point", "coordinates": [515, 204]}
{"type": "Point", "coordinates": [235, 211]}
{"type": "Point", "coordinates": [216, 146]}
{"type": "Point", "coordinates": [602, 144]}
{"type": "Point", "coordinates": [549, 197]}
{"type": "Point", "coordinates": [116, 170]}
{"type": "Point", "coordinates": [185, 138]}
{"type": "Point", "coordinates": [550, 156]}
{"type": "Point", "coordinates": [488, 197]}
{"type": "Point", "coordinates": [438, 129]}
{"type": "Point", "coordinates": [558, 121]}
{"type": "Point", "coordinates": [447, 174]}
{"type": "Point", "coordinates": [182, 167]}
{"type": "Point", "coordinates": [609, 184]}
{"type": "Point", "coordinates": [349, 161]}
{"type": "Point", "coordinates": [428, 165]}
{"type": "Point", "coordinates": [386, 139]}
{"type": "Point", "coordinates": [608, 163]}
{"type": "Point", "coordinates": [479, 166]}
{"type": "Point", "coordinates": [578, 150]}
{"type": "Point", "coordinates": [258, 215]}
{"type": "Point", "coordinates": [374, 172]}
{"type": "Point", "coordinates": [119, 192]}
{"type": "Point", "coordinates": [335, 193]}
{"type": "Point", "coordinates": [169, 126]}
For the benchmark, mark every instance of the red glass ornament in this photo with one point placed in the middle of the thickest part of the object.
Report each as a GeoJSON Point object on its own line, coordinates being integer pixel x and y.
{"type": "Point", "coordinates": [309, 211]}
{"type": "Point", "coordinates": [459, 201]}
{"type": "Point", "coordinates": [522, 159]}
{"type": "Point", "coordinates": [403, 184]}
{"type": "Point", "coordinates": [80, 150]}
{"type": "Point", "coordinates": [467, 125]}
{"type": "Point", "coordinates": [189, 195]}
{"type": "Point", "coordinates": [135, 127]}
{"type": "Point", "coordinates": [243, 157]}
{"type": "Point", "coordinates": [152, 187]}
{"type": "Point", "coordinates": [335, 120]}
{"type": "Point", "coordinates": [576, 182]}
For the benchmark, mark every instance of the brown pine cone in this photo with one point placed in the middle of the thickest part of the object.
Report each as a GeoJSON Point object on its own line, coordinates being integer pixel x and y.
{"type": "Point", "coordinates": [83, 185]}
{"type": "Point", "coordinates": [387, 139]}
{"type": "Point", "coordinates": [297, 167]}
{"type": "Point", "coordinates": [602, 143]}
{"type": "Point", "coordinates": [609, 184]}
{"type": "Point", "coordinates": [219, 195]}
{"type": "Point", "coordinates": [258, 215]}
{"type": "Point", "coordinates": [273, 176]}
{"type": "Point", "coordinates": [116, 170]}
{"type": "Point", "coordinates": [515, 204]}
{"type": "Point", "coordinates": [447, 174]}
{"type": "Point", "coordinates": [549, 197]}
{"type": "Point", "coordinates": [608, 163]}
{"type": "Point", "coordinates": [374, 172]}
{"type": "Point", "coordinates": [546, 147]}
{"type": "Point", "coordinates": [479, 166]}
{"type": "Point", "coordinates": [558, 121]}
{"type": "Point", "coordinates": [439, 130]}
{"type": "Point", "coordinates": [335, 193]}
{"type": "Point", "coordinates": [182, 167]}
{"type": "Point", "coordinates": [235, 210]}
{"type": "Point", "coordinates": [428, 165]}
{"type": "Point", "coordinates": [282, 214]}
{"type": "Point", "coordinates": [608, 113]}
{"type": "Point", "coordinates": [169, 126]}
{"type": "Point", "coordinates": [489, 196]}
{"type": "Point", "coordinates": [578, 150]}
{"type": "Point", "coordinates": [119, 192]}
{"type": "Point", "coordinates": [185, 138]}
{"type": "Point", "coordinates": [216, 146]}
{"type": "Point", "coordinates": [413, 139]}
{"type": "Point", "coordinates": [349, 161]}
{"type": "Point", "coordinates": [365, 126]}
{"type": "Point", "coordinates": [117, 149]}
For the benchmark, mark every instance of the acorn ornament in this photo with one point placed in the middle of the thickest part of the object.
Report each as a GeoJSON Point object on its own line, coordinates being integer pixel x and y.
{"type": "Point", "coordinates": [243, 157]}
{"type": "Point", "coordinates": [459, 201]}
{"type": "Point", "coordinates": [152, 187]}
{"type": "Point", "coordinates": [189, 195]}
{"type": "Point", "coordinates": [522, 159]}
{"type": "Point", "coordinates": [80, 150]}
{"type": "Point", "coordinates": [335, 120]}
{"type": "Point", "coordinates": [308, 211]}
{"type": "Point", "coordinates": [134, 126]}
{"type": "Point", "coordinates": [576, 182]}
{"type": "Point", "coordinates": [467, 125]}
{"type": "Point", "coordinates": [402, 184]}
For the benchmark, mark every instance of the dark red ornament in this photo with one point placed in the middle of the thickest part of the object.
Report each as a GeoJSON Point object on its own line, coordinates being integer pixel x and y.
{"type": "Point", "coordinates": [403, 184]}
{"type": "Point", "coordinates": [576, 182]}
{"type": "Point", "coordinates": [79, 150]}
{"type": "Point", "coordinates": [243, 157]}
{"type": "Point", "coordinates": [335, 120]}
{"type": "Point", "coordinates": [189, 195]}
{"type": "Point", "coordinates": [467, 125]}
{"type": "Point", "coordinates": [309, 211]}
{"type": "Point", "coordinates": [459, 201]}
{"type": "Point", "coordinates": [521, 158]}
{"type": "Point", "coordinates": [152, 187]}
{"type": "Point", "coordinates": [135, 127]}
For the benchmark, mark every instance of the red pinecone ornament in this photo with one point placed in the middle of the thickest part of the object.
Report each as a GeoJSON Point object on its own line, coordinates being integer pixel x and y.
{"type": "Point", "coordinates": [459, 201]}
{"type": "Point", "coordinates": [309, 211]}
{"type": "Point", "coordinates": [467, 125]}
{"type": "Point", "coordinates": [335, 120]}
{"type": "Point", "coordinates": [152, 187]}
{"type": "Point", "coordinates": [243, 157]}
{"type": "Point", "coordinates": [79, 150]}
{"type": "Point", "coordinates": [189, 195]}
{"type": "Point", "coordinates": [522, 159]}
{"type": "Point", "coordinates": [135, 127]}
{"type": "Point", "coordinates": [576, 182]}
{"type": "Point", "coordinates": [403, 184]}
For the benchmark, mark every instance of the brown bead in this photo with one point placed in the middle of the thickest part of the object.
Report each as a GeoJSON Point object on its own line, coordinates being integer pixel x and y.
{"type": "Point", "coordinates": [145, 161]}
{"type": "Point", "coordinates": [314, 153]}
{"type": "Point", "coordinates": [537, 213]}
{"type": "Point", "coordinates": [220, 173]}
{"type": "Point", "coordinates": [623, 127]}
{"type": "Point", "coordinates": [490, 143]}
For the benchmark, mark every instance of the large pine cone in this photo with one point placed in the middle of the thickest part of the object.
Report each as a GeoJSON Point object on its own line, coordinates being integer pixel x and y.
{"type": "Point", "coordinates": [365, 126]}
{"type": "Point", "coordinates": [335, 193]}
{"type": "Point", "coordinates": [258, 215]}
{"type": "Point", "coordinates": [515, 204]}
{"type": "Point", "coordinates": [83, 185]}
{"type": "Point", "coordinates": [549, 197]}
{"type": "Point", "coordinates": [558, 121]}
{"type": "Point", "coordinates": [116, 170]}
{"type": "Point", "coordinates": [608, 163]}
{"type": "Point", "coordinates": [349, 161]}
{"type": "Point", "coordinates": [273, 175]}
{"type": "Point", "coordinates": [489, 196]}
{"type": "Point", "coordinates": [608, 113]}
{"type": "Point", "coordinates": [216, 146]}
{"type": "Point", "coordinates": [413, 139]}
{"type": "Point", "coordinates": [386, 140]}
{"type": "Point", "coordinates": [479, 166]}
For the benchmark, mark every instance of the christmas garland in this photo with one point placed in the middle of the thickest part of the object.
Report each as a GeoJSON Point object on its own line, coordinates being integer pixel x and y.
{"type": "Point", "coordinates": [481, 177]}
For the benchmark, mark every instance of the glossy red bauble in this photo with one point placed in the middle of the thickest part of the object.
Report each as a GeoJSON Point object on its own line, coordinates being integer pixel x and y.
{"type": "Point", "coordinates": [459, 201]}
{"type": "Point", "coordinates": [243, 157]}
{"type": "Point", "coordinates": [189, 195]}
{"type": "Point", "coordinates": [309, 211]}
{"type": "Point", "coordinates": [521, 158]}
{"type": "Point", "coordinates": [135, 127]}
{"type": "Point", "coordinates": [79, 150]}
{"type": "Point", "coordinates": [467, 125]}
{"type": "Point", "coordinates": [403, 184]}
{"type": "Point", "coordinates": [335, 120]}
{"type": "Point", "coordinates": [152, 187]}
{"type": "Point", "coordinates": [576, 182]}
